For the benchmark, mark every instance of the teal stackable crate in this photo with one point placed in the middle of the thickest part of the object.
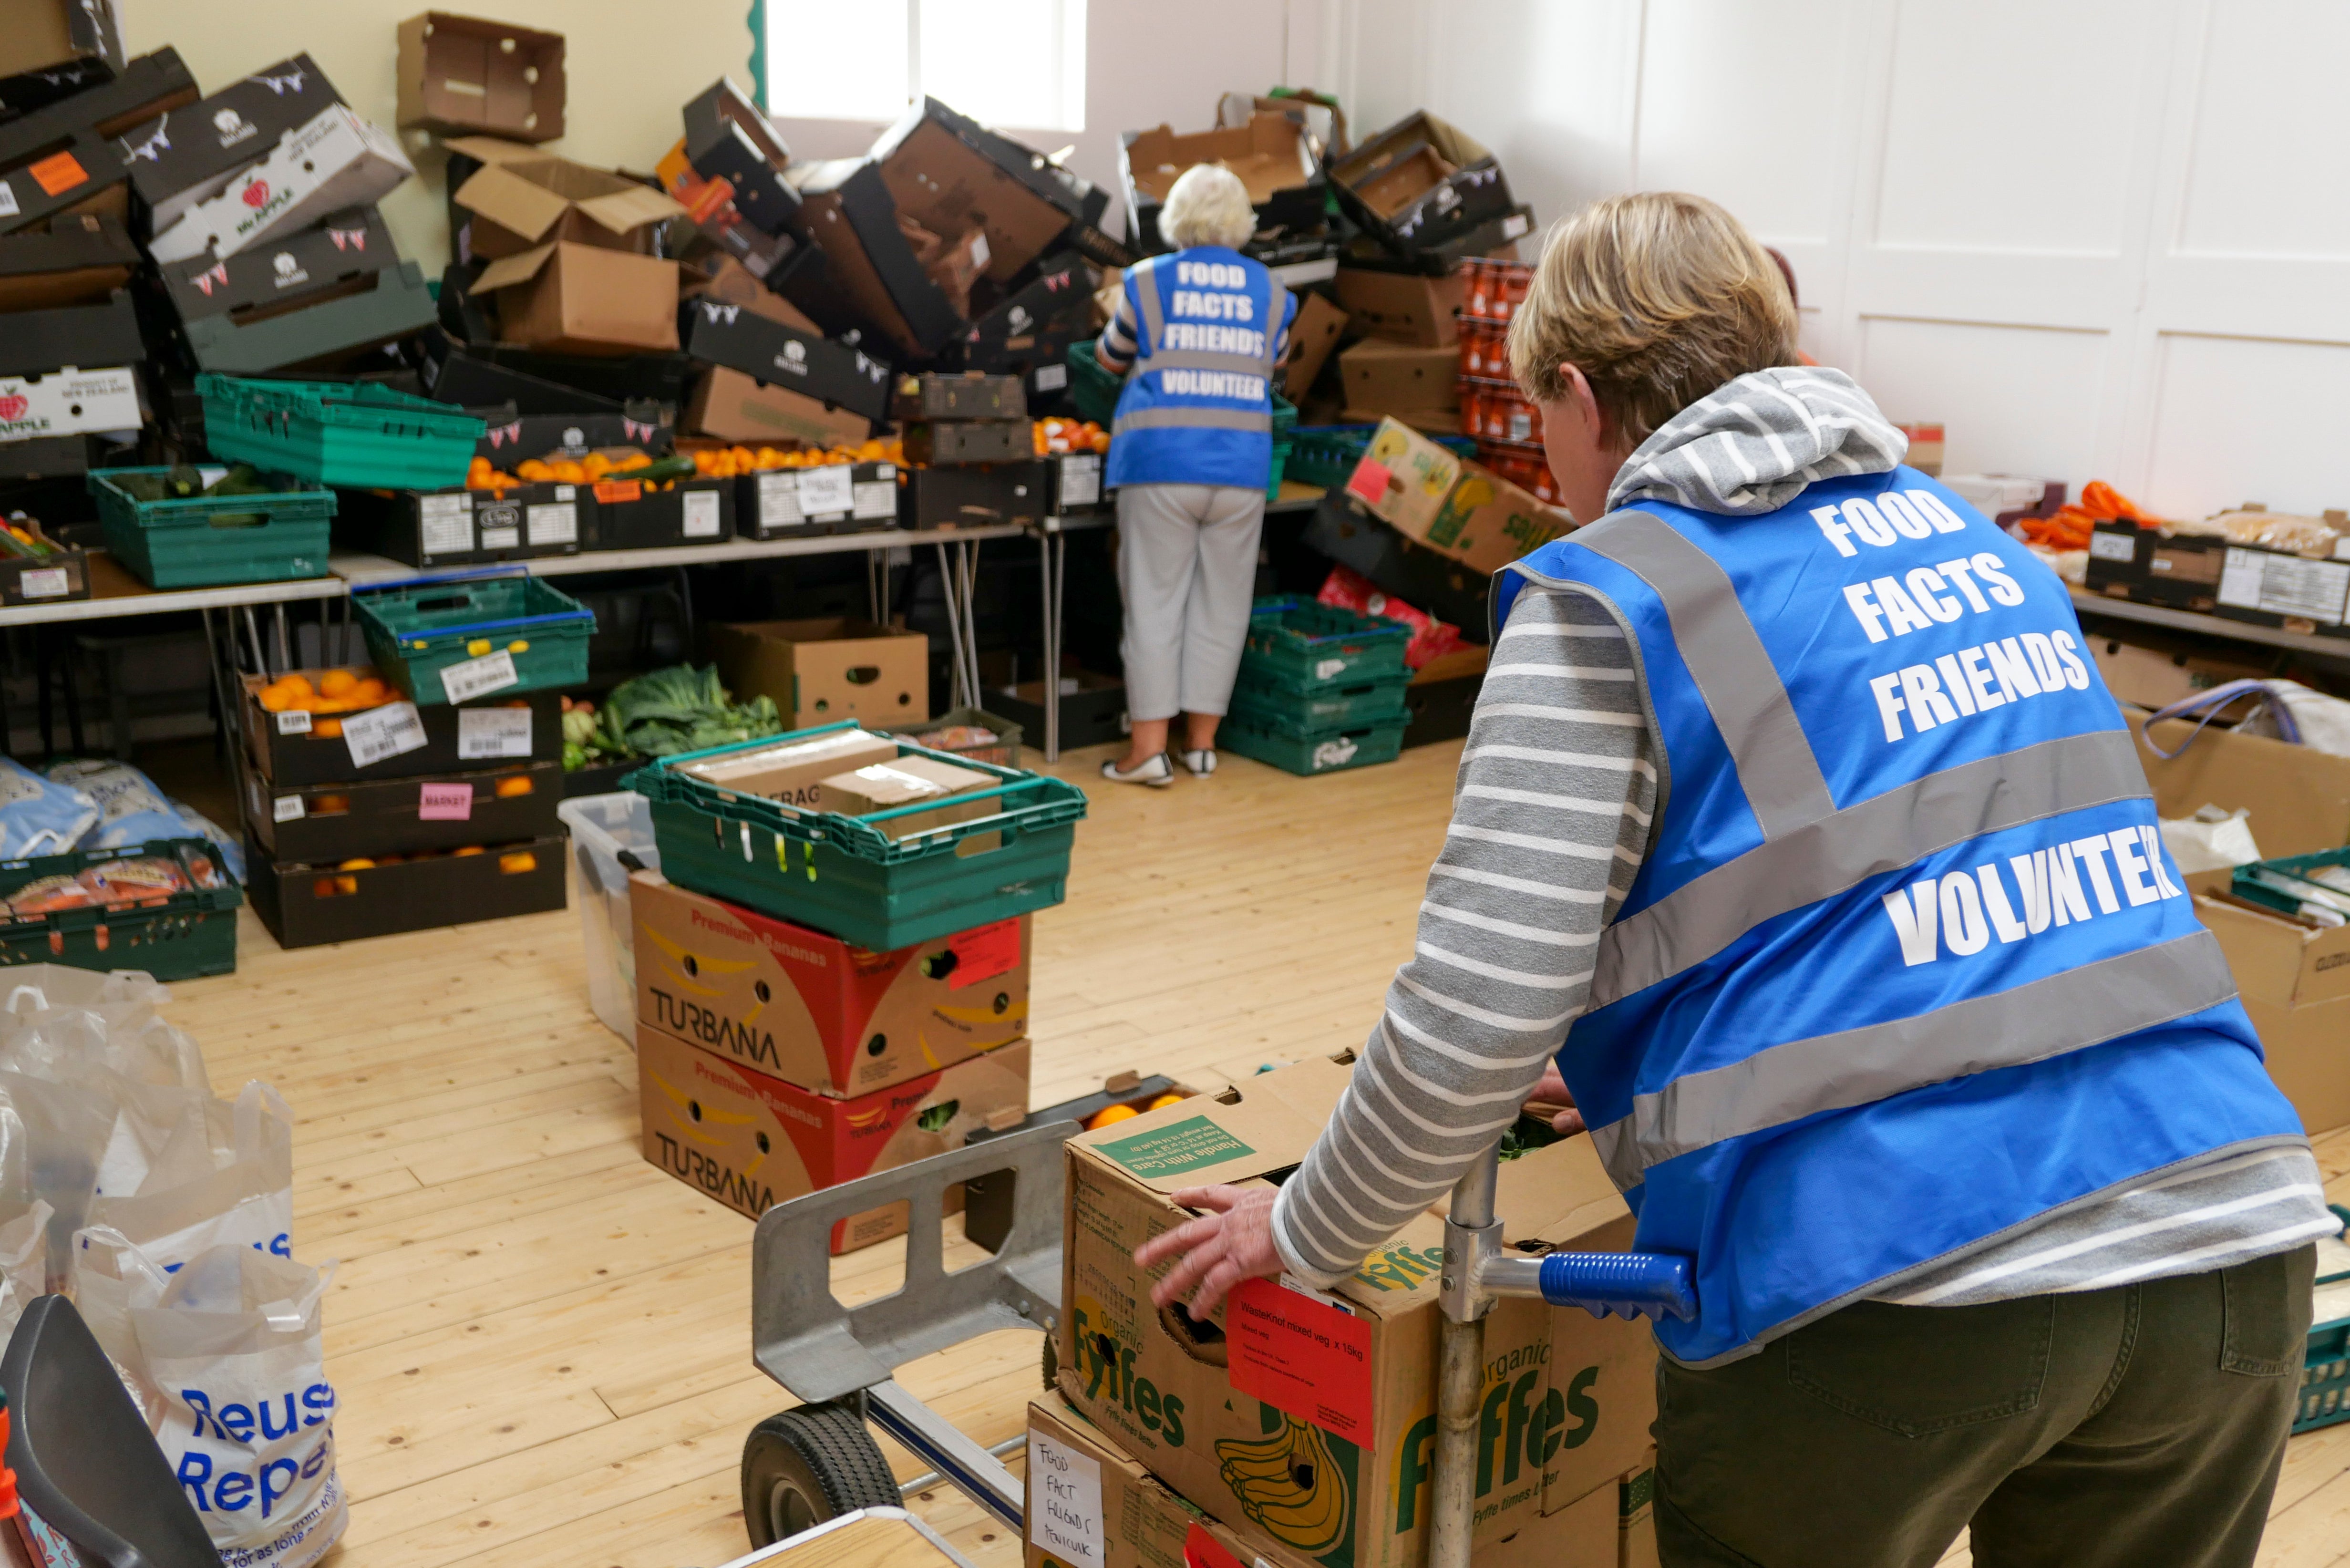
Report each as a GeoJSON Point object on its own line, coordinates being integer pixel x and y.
{"type": "Point", "coordinates": [202, 541]}
{"type": "Point", "coordinates": [1324, 752]}
{"type": "Point", "coordinates": [1373, 700]}
{"type": "Point", "coordinates": [359, 436]}
{"type": "Point", "coordinates": [181, 935]}
{"type": "Point", "coordinates": [417, 626]}
{"type": "Point", "coordinates": [846, 875]}
{"type": "Point", "coordinates": [2324, 1397]}
{"type": "Point", "coordinates": [1302, 646]}
{"type": "Point", "coordinates": [1326, 455]}
{"type": "Point", "coordinates": [2284, 884]}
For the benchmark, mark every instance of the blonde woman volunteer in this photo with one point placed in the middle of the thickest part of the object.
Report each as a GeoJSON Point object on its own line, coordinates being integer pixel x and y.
{"type": "Point", "coordinates": [1202, 330]}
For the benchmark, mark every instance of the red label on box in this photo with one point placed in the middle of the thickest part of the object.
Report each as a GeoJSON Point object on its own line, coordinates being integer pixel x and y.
{"type": "Point", "coordinates": [1200, 1550]}
{"type": "Point", "coordinates": [1302, 1355]}
{"type": "Point", "coordinates": [615, 491]}
{"type": "Point", "coordinates": [58, 174]}
{"type": "Point", "coordinates": [1369, 480]}
{"type": "Point", "coordinates": [445, 803]}
{"type": "Point", "coordinates": [984, 953]}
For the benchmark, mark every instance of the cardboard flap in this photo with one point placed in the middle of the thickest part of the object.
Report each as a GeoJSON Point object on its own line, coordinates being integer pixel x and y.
{"type": "Point", "coordinates": [1209, 1138]}
{"type": "Point", "coordinates": [492, 149]}
{"type": "Point", "coordinates": [1557, 1194]}
{"type": "Point", "coordinates": [631, 209]}
{"type": "Point", "coordinates": [502, 195]}
{"type": "Point", "coordinates": [508, 271]}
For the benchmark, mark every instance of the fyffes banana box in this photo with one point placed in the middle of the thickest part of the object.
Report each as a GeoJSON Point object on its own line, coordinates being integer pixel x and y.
{"type": "Point", "coordinates": [1449, 503]}
{"type": "Point", "coordinates": [1092, 1505]}
{"type": "Point", "coordinates": [1306, 1419]}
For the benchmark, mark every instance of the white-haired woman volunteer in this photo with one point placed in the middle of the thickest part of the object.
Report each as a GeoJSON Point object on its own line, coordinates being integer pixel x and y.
{"type": "Point", "coordinates": [1203, 327]}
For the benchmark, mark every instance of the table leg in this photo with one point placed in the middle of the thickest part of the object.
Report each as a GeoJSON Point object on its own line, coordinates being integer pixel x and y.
{"type": "Point", "coordinates": [253, 636]}
{"type": "Point", "coordinates": [225, 689]}
{"type": "Point", "coordinates": [285, 648]}
{"type": "Point", "coordinates": [949, 584]}
{"type": "Point", "coordinates": [969, 559]}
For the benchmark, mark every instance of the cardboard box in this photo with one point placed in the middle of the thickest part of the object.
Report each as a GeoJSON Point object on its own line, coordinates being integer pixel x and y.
{"type": "Point", "coordinates": [185, 156]}
{"type": "Point", "coordinates": [730, 405]}
{"type": "Point", "coordinates": [2299, 798]}
{"type": "Point", "coordinates": [1421, 181]}
{"type": "Point", "coordinates": [1092, 1505]}
{"type": "Point", "coordinates": [458, 526]}
{"type": "Point", "coordinates": [1402, 307]}
{"type": "Point", "coordinates": [294, 750]}
{"type": "Point", "coordinates": [326, 824]}
{"type": "Point", "coordinates": [822, 671]}
{"type": "Point", "coordinates": [77, 174]}
{"type": "Point", "coordinates": [584, 299]}
{"type": "Point", "coordinates": [1271, 154]}
{"type": "Point", "coordinates": [1583, 1535]}
{"type": "Point", "coordinates": [871, 268]}
{"type": "Point", "coordinates": [349, 247]}
{"type": "Point", "coordinates": [973, 493]}
{"type": "Point", "coordinates": [742, 338]}
{"type": "Point", "coordinates": [522, 199]}
{"type": "Point", "coordinates": [728, 142]}
{"type": "Point", "coordinates": [63, 574]}
{"type": "Point", "coordinates": [813, 1009]}
{"type": "Point", "coordinates": [89, 95]}
{"type": "Point", "coordinates": [802, 503]}
{"type": "Point", "coordinates": [69, 401]}
{"type": "Point", "coordinates": [1636, 1518]}
{"type": "Point", "coordinates": [53, 32]}
{"type": "Point", "coordinates": [971, 395]}
{"type": "Point", "coordinates": [610, 381]}
{"type": "Point", "coordinates": [1311, 1418]}
{"type": "Point", "coordinates": [1312, 336]}
{"type": "Point", "coordinates": [789, 769]}
{"type": "Point", "coordinates": [2279, 959]}
{"type": "Point", "coordinates": [722, 224]}
{"type": "Point", "coordinates": [514, 434]}
{"type": "Point", "coordinates": [323, 166]}
{"type": "Point", "coordinates": [751, 1141]}
{"type": "Point", "coordinates": [962, 441]}
{"type": "Point", "coordinates": [940, 172]}
{"type": "Point", "coordinates": [1058, 298]}
{"type": "Point", "coordinates": [460, 75]}
{"type": "Point", "coordinates": [628, 516]}
{"type": "Point", "coordinates": [367, 309]}
{"type": "Point", "coordinates": [33, 341]}
{"type": "Point", "coordinates": [2148, 669]}
{"type": "Point", "coordinates": [1388, 378]}
{"type": "Point", "coordinates": [904, 782]}
{"type": "Point", "coordinates": [308, 906]}
{"type": "Point", "coordinates": [1452, 506]}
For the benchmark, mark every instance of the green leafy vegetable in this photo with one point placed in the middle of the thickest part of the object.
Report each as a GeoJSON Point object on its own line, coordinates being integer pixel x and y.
{"type": "Point", "coordinates": [681, 709]}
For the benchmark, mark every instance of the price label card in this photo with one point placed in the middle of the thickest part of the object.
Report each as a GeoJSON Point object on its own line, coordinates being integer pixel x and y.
{"type": "Point", "coordinates": [294, 722]}
{"type": "Point", "coordinates": [484, 733]}
{"type": "Point", "coordinates": [552, 523]}
{"type": "Point", "coordinates": [479, 677]}
{"type": "Point", "coordinates": [876, 498]}
{"type": "Point", "coordinates": [826, 489]}
{"type": "Point", "coordinates": [1306, 1356]}
{"type": "Point", "coordinates": [984, 953]}
{"type": "Point", "coordinates": [704, 517]}
{"type": "Point", "coordinates": [49, 583]}
{"type": "Point", "coordinates": [445, 803]}
{"type": "Point", "coordinates": [1068, 1488]}
{"type": "Point", "coordinates": [383, 733]}
{"type": "Point", "coordinates": [288, 808]}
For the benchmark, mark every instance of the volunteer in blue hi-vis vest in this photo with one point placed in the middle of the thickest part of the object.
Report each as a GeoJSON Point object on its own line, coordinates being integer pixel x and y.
{"type": "Point", "coordinates": [1795, 808]}
{"type": "Point", "coordinates": [1203, 329]}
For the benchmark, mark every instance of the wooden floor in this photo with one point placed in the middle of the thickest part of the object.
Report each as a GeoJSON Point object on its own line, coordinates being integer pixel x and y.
{"type": "Point", "coordinates": [542, 1344]}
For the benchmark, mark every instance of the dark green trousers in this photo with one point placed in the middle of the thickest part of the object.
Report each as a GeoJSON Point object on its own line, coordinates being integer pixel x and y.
{"type": "Point", "coordinates": [2141, 1426]}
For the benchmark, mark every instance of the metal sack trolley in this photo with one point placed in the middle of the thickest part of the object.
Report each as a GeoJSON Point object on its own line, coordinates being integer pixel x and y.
{"type": "Point", "coordinates": [819, 1461]}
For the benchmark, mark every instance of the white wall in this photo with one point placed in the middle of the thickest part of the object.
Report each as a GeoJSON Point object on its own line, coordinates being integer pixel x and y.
{"type": "Point", "coordinates": [2098, 239]}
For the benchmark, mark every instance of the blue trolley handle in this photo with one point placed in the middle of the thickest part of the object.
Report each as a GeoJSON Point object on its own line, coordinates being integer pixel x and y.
{"type": "Point", "coordinates": [470, 574]}
{"type": "Point", "coordinates": [1621, 1284]}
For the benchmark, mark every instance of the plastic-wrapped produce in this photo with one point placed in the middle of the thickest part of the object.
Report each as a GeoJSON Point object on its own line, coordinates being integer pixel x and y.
{"type": "Point", "coordinates": [39, 815]}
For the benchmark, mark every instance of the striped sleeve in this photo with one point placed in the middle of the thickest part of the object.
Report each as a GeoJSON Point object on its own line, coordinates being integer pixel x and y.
{"type": "Point", "coordinates": [1118, 344]}
{"type": "Point", "coordinates": [1550, 818]}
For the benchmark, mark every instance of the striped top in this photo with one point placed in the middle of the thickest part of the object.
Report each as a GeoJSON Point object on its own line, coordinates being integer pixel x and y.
{"type": "Point", "coordinates": [1550, 821]}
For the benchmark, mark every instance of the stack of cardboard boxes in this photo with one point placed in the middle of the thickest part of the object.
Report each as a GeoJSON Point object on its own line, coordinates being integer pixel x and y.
{"type": "Point", "coordinates": [1301, 1423]}
{"type": "Point", "coordinates": [774, 1058]}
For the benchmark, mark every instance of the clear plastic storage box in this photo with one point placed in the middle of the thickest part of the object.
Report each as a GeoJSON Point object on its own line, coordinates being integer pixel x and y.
{"type": "Point", "coordinates": [603, 827]}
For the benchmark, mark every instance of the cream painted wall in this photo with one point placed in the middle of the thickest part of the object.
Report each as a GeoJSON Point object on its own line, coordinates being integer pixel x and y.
{"type": "Point", "coordinates": [630, 66]}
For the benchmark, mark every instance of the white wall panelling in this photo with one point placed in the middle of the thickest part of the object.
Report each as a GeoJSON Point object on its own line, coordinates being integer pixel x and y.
{"type": "Point", "coordinates": [2101, 239]}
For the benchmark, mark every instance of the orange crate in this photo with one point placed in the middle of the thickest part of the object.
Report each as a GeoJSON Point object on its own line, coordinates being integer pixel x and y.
{"type": "Point", "coordinates": [1494, 288]}
{"type": "Point", "coordinates": [1484, 350]}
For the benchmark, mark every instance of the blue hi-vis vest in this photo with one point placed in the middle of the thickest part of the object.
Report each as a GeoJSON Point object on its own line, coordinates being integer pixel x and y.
{"type": "Point", "coordinates": [1197, 405]}
{"type": "Point", "coordinates": [1906, 966]}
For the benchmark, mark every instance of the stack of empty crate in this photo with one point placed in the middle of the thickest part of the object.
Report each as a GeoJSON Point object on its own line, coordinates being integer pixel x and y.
{"type": "Point", "coordinates": [1320, 689]}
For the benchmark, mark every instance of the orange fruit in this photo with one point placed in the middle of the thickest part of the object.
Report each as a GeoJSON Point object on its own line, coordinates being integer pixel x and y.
{"type": "Point", "coordinates": [357, 862]}
{"type": "Point", "coordinates": [337, 683]}
{"type": "Point", "coordinates": [296, 685]}
{"type": "Point", "coordinates": [327, 728]}
{"type": "Point", "coordinates": [331, 804]}
{"type": "Point", "coordinates": [347, 884]}
{"type": "Point", "coordinates": [467, 849]}
{"type": "Point", "coordinates": [515, 863]}
{"type": "Point", "coordinates": [274, 699]}
{"type": "Point", "coordinates": [369, 694]}
{"type": "Point", "coordinates": [1109, 1116]}
{"type": "Point", "coordinates": [1163, 1101]}
{"type": "Point", "coordinates": [519, 784]}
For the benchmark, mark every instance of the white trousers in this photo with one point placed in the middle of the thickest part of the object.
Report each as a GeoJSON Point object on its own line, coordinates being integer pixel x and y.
{"type": "Point", "coordinates": [1187, 570]}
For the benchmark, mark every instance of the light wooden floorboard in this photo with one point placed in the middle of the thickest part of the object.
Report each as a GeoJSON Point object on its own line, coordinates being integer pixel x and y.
{"type": "Point", "coordinates": [542, 1343]}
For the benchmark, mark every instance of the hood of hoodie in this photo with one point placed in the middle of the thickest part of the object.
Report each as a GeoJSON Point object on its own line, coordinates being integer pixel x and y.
{"type": "Point", "coordinates": [1752, 446]}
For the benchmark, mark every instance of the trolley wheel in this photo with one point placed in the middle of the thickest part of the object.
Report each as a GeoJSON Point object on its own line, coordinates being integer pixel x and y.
{"type": "Point", "coordinates": [806, 1466]}
{"type": "Point", "coordinates": [1052, 1365]}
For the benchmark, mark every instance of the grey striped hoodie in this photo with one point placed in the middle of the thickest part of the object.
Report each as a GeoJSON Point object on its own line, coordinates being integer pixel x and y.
{"type": "Point", "coordinates": [1551, 817]}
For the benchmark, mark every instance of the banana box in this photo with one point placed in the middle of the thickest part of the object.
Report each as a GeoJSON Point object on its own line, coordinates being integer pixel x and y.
{"type": "Point", "coordinates": [1454, 506]}
{"type": "Point", "coordinates": [1306, 1419]}
{"type": "Point", "coordinates": [1635, 1521]}
{"type": "Point", "coordinates": [751, 1141]}
{"type": "Point", "coordinates": [817, 1012]}
{"type": "Point", "coordinates": [1092, 1505]}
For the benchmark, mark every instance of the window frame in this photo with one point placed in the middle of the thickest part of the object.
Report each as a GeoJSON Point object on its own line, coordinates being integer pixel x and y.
{"type": "Point", "coordinates": [757, 21]}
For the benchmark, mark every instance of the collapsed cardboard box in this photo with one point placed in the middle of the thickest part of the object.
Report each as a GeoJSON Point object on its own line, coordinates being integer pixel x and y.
{"type": "Point", "coordinates": [1449, 503]}
{"type": "Point", "coordinates": [940, 174]}
{"type": "Point", "coordinates": [69, 262]}
{"type": "Point", "coordinates": [872, 276]}
{"type": "Point", "coordinates": [326, 164]}
{"type": "Point", "coordinates": [903, 783]}
{"type": "Point", "coordinates": [43, 33]}
{"type": "Point", "coordinates": [463, 75]}
{"type": "Point", "coordinates": [1308, 1420]}
{"type": "Point", "coordinates": [1419, 183]}
{"type": "Point", "coordinates": [815, 1011]}
{"type": "Point", "coordinates": [729, 142]}
{"type": "Point", "coordinates": [91, 96]}
{"type": "Point", "coordinates": [1401, 306]}
{"type": "Point", "coordinates": [791, 768]}
{"type": "Point", "coordinates": [1271, 154]}
{"type": "Point", "coordinates": [822, 671]}
{"type": "Point", "coordinates": [187, 155]}
{"type": "Point", "coordinates": [1384, 378]}
{"type": "Point", "coordinates": [729, 406]}
{"type": "Point", "coordinates": [751, 1141]}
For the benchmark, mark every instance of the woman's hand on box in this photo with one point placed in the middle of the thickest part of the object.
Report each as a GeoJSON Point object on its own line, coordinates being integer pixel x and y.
{"type": "Point", "coordinates": [1217, 1250]}
{"type": "Point", "coordinates": [1548, 1098]}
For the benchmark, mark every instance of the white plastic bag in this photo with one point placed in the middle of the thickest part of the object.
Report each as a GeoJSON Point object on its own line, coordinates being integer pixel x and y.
{"type": "Point", "coordinates": [66, 1130]}
{"type": "Point", "coordinates": [24, 1227]}
{"type": "Point", "coordinates": [39, 817]}
{"type": "Point", "coordinates": [49, 1013]}
{"type": "Point", "coordinates": [223, 1177]}
{"type": "Point", "coordinates": [225, 1356]}
{"type": "Point", "coordinates": [132, 810]}
{"type": "Point", "coordinates": [2210, 839]}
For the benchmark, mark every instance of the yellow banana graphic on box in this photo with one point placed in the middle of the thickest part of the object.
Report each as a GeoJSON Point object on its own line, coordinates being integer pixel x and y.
{"type": "Point", "coordinates": [1290, 1486]}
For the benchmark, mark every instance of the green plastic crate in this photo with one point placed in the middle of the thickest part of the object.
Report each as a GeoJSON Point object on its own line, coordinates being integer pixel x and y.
{"type": "Point", "coordinates": [206, 540]}
{"type": "Point", "coordinates": [846, 875]}
{"type": "Point", "coordinates": [189, 935]}
{"type": "Point", "coordinates": [359, 436]}
{"type": "Point", "coordinates": [1327, 752]}
{"type": "Point", "coordinates": [1302, 646]}
{"type": "Point", "coordinates": [1377, 700]}
{"type": "Point", "coordinates": [419, 627]}
{"type": "Point", "coordinates": [1326, 455]}
{"type": "Point", "coordinates": [2283, 883]}
{"type": "Point", "coordinates": [2324, 1396]}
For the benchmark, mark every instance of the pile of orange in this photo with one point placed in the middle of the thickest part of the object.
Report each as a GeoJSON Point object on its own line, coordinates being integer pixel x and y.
{"type": "Point", "coordinates": [336, 691]}
{"type": "Point", "coordinates": [1109, 1114]}
{"type": "Point", "coordinates": [1057, 436]}
{"type": "Point", "coordinates": [481, 475]}
{"type": "Point", "coordinates": [728, 461]}
{"type": "Point", "coordinates": [513, 863]}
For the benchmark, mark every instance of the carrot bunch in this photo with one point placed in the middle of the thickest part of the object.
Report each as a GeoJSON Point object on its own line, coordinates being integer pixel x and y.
{"type": "Point", "coordinates": [2070, 526]}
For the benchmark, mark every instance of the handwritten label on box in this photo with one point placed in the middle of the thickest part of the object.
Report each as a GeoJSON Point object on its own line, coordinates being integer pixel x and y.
{"type": "Point", "coordinates": [1067, 1488]}
{"type": "Point", "coordinates": [383, 733]}
{"type": "Point", "coordinates": [445, 803]}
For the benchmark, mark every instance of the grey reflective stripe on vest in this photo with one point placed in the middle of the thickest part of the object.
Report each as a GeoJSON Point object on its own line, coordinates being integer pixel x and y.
{"type": "Point", "coordinates": [1206, 360]}
{"type": "Point", "coordinates": [1154, 319]}
{"type": "Point", "coordinates": [1725, 657]}
{"type": "Point", "coordinates": [1884, 833]}
{"type": "Point", "coordinates": [2033, 1022]}
{"type": "Point", "coordinates": [1194, 419]}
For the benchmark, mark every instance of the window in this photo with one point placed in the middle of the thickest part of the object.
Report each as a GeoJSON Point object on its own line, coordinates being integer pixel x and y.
{"type": "Point", "coordinates": [1018, 64]}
